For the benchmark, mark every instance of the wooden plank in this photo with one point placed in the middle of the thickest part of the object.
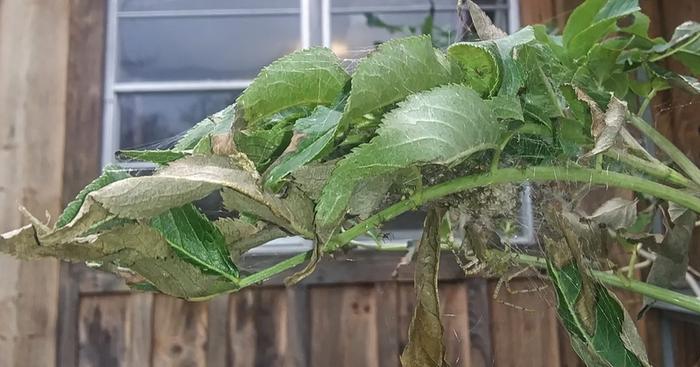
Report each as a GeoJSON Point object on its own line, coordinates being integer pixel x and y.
{"type": "Point", "coordinates": [81, 157]}
{"type": "Point", "coordinates": [179, 332]}
{"type": "Point", "coordinates": [343, 326]}
{"type": "Point", "coordinates": [258, 328]}
{"type": "Point", "coordinates": [298, 326]}
{"type": "Point", "coordinates": [139, 321]}
{"type": "Point", "coordinates": [33, 58]}
{"type": "Point", "coordinates": [524, 338]}
{"type": "Point", "coordinates": [454, 313]}
{"type": "Point", "coordinates": [217, 331]}
{"type": "Point", "coordinates": [388, 324]}
{"type": "Point", "coordinates": [84, 87]}
{"type": "Point", "coordinates": [536, 11]}
{"type": "Point", "coordinates": [102, 331]}
{"type": "Point", "coordinates": [479, 322]}
{"type": "Point", "coordinates": [68, 313]}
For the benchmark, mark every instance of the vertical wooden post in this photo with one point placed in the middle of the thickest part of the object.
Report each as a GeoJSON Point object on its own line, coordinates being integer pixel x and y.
{"type": "Point", "coordinates": [33, 59]}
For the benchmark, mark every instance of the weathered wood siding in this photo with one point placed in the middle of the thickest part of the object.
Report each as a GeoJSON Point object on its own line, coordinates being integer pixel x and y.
{"type": "Point", "coordinates": [33, 67]}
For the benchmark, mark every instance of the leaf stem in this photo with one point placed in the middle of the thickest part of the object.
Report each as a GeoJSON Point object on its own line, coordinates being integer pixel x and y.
{"type": "Point", "coordinates": [281, 266]}
{"type": "Point", "coordinates": [661, 172]}
{"type": "Point", "coordinates": [675, 49]}
{"type": "Point", "coordinates": [664, 144]}
{"type": "Point", "coordinates": [658, 293]}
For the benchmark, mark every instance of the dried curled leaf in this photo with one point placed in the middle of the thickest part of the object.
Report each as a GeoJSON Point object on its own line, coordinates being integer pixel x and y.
{"type": "Point", "coordinates": [616, 213]}
{"type": "Point", "coordinates": [425, 346]}
{"type": "Point", "coordinates": [483, 24]}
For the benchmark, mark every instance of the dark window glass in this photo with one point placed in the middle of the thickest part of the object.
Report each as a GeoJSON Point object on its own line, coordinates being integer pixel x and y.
{"type": "Point", "coordinates": [149, 118]}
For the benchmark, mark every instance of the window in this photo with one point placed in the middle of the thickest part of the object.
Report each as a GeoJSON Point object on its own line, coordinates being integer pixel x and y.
{"type": "Point", "coordinates": [169, 63]}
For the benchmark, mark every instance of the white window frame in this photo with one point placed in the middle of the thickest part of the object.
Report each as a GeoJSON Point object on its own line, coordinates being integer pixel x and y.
{"type": "Point", "coordinates": [315, 26]}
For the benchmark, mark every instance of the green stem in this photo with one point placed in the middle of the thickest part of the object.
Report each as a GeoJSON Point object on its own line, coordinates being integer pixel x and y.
{"type": "Point", "coordinates": [675, 49]}
{"type": "Point", "coordinates": [515, 175]}
{"type": "Point", "coordinates": [280, 267]}
{"type": "Point", "coordinates": [658, 293]}
{"type": "Point", "coordinates": [671, 150]}
{"type": "Point", "coordinates": [500, 176]}
{"type": "Point", "coordinates": [661, 172]}
{"type": "Point", "coordinates": [645, 102]}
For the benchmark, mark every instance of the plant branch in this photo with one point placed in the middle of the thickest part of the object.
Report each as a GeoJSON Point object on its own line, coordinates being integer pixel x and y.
{"type": "Point", "coordinates": [661, 172]}
{"type": "Point", "coordinates": [500, 176]}
{"type": "Point", "coordinates": [515, 175]}
{"type": "Point", "coordinates": [671, 150]}
{"type": "Point", "coordinates": [658, 293]}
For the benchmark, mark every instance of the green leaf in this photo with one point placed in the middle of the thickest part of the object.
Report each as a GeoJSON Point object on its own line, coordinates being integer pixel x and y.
{"type": "Point", "coordinates": [294, 212]}
{"type": "Point", "coordinates": [685, 82]}
{"type": "Point", "coordinates": [441, 126]}
{"type": "Point", "coordinates": [242, 236]}
{"type": "Point", "coordinates": [305, 78]}
{"type": "Point", "coordinates": [591, 21]}
{"type": "Point", "coordinates": [219, 122]}
{"type": "Point", "coordinates": [133, 251]}
{"type": "Point", "coordinates": [543, 75]}
{"type": "Point", "coordinates": [425, 334]}
{"type": "Point", "coordinates": [506, 107]}
{"type": "Point", "coordinates": [154, 156]}
{"type": "Point", "coordinates": [598, 325]}
{"type": "Point", "coordinates": [109, 175]}
{"type": "Point", "coordinates": [397, 69]}
{"type": "Point", "coordinates": [196, 239]}
{"type": "Point", "coordinates": [314, 136]}
{"type": "Point", "coordinates": [263, 146]}
{"type": "Point", "coordinates": [480, 68]}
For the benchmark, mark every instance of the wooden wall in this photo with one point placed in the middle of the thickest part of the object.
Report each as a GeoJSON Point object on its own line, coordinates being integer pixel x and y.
{"type": "Point", "coordinates": [348, 313]}
{"type": "Point", "coordinates": [33, 74]}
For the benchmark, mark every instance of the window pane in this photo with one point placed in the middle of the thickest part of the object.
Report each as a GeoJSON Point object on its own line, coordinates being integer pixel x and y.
{"type": "Point", "coordinates": [149, 5]}
{"type": "Point", "coordinates": [351, 37]}
{"type": "Point", "coordinates": [195, 48]}
{"type": "Point", "coordinates": [149, 118]}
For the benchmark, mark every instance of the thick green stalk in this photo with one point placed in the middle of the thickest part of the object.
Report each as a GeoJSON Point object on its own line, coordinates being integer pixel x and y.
{"type": "Point", "coordinates": [669, 148]}
{"type": "Point", "coordinates": [500, 176]}
{"type": "Point", "coordinates": [661, 172]}
{"type": "Point", "coordinates": [515, 175]}
{"type": "Point", "coordinates": [658, 293]}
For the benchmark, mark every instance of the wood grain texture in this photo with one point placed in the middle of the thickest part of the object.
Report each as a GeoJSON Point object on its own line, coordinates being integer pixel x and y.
{"type": "Point", "coordinates": [33, 59]}
{"type": "Point", "coordinates": [179, 332]}
{"type": "Point", "coordinates": [524, 338]}
{"type": "Point", "coordinates": [217, 331]}
{"type": "Point", "coordinates": [139, 329]}
{"type": "Point", "coordinates": [388, 348]}
{"type": "Point", "coordinates": [478, 298]}
{"type": "Point", "coordinates": [102, 331]}
{"type": "Point", "coordinates": [298, 315]}
{"type": "Point", "coordinates": [344, 326]}
{"type": "Point", "coordinates": [454, 312]}
{"type": "Point", "coordinates": [81, 159]}
{"type": "Point", "coordinates": [258, 328]}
